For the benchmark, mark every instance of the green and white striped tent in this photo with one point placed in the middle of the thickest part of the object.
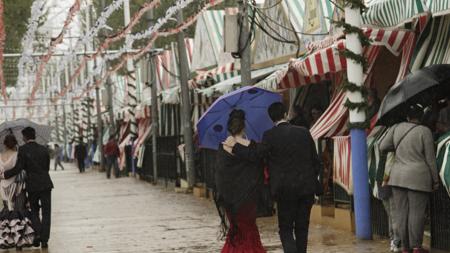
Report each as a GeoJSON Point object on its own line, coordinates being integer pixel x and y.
{"type": "Point", "coordinates": [438, 7]}
{"type": "Point", "coordinates": [395, 13]}
{"type": "Point", "coordinates": [392, 13]}
{"type": "Point", "coordinates": [209, 41]}
{"type": "Point", "coordinates": [433, 44]}
{"type": "Point", "coordinates": [295, 21]}
{"type": "Point", "coordinates": [443, 160]}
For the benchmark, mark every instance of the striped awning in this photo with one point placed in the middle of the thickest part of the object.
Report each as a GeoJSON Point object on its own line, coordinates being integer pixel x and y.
{"type": "Point", "coordinates": [433, 44]}
{"type": "Point", "coordinates": [342, 163]}
{"type": "Point", "coordinates": [217, 74]}
{"type": "Point", "coordinates": [209, 41]}
{"type": "Point", "coordinates": [438, 7]}
{"type": "Point", "coordinates": [392, 13]}
{"type": "Point", "coordinates": [320, 64]}
{"type": "Point", "coordinates": [167, 68]}
{"type": "Point", "coordinates": [229, 84]}
{"type": "Point", "coordinates": [142, 111]}
{"type": "Point", "coordinates": [316, 14]}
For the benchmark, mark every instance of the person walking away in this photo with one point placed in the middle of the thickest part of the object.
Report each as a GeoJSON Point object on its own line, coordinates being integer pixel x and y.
{"type": "Point", "coordinates": [34, 159]}
{"type": "Point", "coordinates": [58, 157]}
{"type": "Point", "coordinates": [112, 155]}
{"type": "Point", "coordinates": [413, 176]}
{"type": "Point", "coordinates": [238, 183]}
{"type": "Point", "coordinates": [293, 170]}
{"type": "Point", "coordinates": [16, 230]}
{"type": "Point", "coordinates": [80, 155]}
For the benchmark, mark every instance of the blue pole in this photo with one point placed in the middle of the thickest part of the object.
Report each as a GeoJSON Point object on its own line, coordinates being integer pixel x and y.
{"type": "Point", "coordinates": [361, 192]}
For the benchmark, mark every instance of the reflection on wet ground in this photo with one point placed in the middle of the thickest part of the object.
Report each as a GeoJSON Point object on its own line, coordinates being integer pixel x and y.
{"type": "Point", "coordinates": [94, 215]}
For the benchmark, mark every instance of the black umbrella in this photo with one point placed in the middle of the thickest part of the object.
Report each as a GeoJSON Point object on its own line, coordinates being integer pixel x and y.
{"type": "Point", "coordinates": [413, 85]}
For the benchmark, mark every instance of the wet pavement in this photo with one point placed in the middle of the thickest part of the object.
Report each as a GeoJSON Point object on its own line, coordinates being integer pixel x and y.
{"type": "Point", "coordinates": [93, 214]}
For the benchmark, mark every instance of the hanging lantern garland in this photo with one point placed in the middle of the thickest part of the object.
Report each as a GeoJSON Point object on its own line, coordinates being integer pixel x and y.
{"type": "Point", "coordinates": [152, 29]}
{"type": "Point", "coordinates": [360, 59]}
{"type": "Point", "coordinates": [53, 43]}
{"type": "Point", "coordinates": [125, 56]}
{"type": "Point", "coordinates": [89, 35]}
{"type": "Point", "coordinates": [2, 46]}
{"type": "Point", "coordinates": [105, 45]}
{"type": "Point", "coordinates": [180, 4]}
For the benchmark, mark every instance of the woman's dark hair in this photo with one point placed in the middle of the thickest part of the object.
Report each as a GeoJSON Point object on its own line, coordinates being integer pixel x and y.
{"type": "Point", "coordinates": [10, 141]}
{"type": "Point", "coordinates": [415, 111]}
{"type": "Point", "coordinates": [277, 111]}
{"type": "Point", "coordinates": [236, 122]}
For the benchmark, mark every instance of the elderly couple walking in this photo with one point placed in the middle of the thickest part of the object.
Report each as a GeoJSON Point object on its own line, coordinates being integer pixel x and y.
{"type": "Point", "coordinates": [25, 180]}
{"type": "Point", "coordinates": [293, 168]}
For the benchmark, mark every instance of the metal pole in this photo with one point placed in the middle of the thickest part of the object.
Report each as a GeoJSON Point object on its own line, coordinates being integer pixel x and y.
{"type": "Point", "coordinates": [186, 105]}
{"type": "Point", "coordinates": [110, 105]}
{"type": "Point", "coordinates": [358, 136]}
{"type": "Point", "coordinates": [245, 45]}
{"type": "Point", "coordinates": [151, 80]}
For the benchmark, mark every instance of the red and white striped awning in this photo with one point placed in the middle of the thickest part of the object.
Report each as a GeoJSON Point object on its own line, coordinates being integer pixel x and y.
{"type": "Point", "coordinates": [212, 73]}
{"type": "Point", "coordinates": [320, 64]}
{"type": "Point", "coordinates": [142, 111]}
{"type": "Point", "coordinates": [342, 163]}
{"type": "Point", "coordinates": [144, 127]}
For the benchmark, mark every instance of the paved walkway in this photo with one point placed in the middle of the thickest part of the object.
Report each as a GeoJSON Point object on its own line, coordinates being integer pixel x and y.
{"type": "Point", "coordinates": [92, 214]}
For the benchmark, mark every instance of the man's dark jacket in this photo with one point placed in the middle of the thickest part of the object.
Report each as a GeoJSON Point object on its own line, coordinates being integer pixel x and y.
{"type": "Point", "coordinates": [35, 160]}
{"type": "Point", "coordinates": [292, 159]}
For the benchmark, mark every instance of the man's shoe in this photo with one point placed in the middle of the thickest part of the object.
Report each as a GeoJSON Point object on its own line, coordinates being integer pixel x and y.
{"type": "Point", "coordinates": [44, 245]}
{"type": "Point", "coordinates": [36, 243]}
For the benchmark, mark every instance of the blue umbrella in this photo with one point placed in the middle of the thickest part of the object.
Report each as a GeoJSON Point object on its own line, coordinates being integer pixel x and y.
{"type": "Point", "coordinates": [212, 126]}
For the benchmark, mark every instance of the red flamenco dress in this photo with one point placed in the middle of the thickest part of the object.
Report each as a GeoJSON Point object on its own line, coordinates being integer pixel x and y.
{"type": "Point", "coordinates": [246, 239]}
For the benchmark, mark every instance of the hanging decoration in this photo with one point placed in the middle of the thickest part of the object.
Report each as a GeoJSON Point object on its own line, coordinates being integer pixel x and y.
{"type": "Point", "coordinates": [89, 35]}
{"type": "Point", "coordinates": [26, 59]}
{"type": "Point", "coordinates": [120, 35]}
{"type": "Point", "coordinates": [179, 5]}
{"type": "Point", "coordinates": [360, 59]}
{"type": "Point", "coordinates": [2, 46]}
{"type": "Point", "coordinates": [53, 43]}
{"type": "Point", "coordinates": [125, 56]}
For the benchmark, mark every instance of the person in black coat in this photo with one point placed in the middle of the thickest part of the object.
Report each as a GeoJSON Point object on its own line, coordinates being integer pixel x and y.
{"type": "Point", "coordinates": [35, 160]}
{"type": "Point", "coordinates": [80, 155]}
{"type": "Point", "coordinates": [294, 169]}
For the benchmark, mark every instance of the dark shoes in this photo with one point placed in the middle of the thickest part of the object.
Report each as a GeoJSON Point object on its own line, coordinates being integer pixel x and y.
{"type": "Point", "coordinates": [36, 243]}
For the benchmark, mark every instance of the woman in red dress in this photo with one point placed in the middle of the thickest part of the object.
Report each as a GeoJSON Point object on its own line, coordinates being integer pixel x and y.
{"type": "Point", "coordinates": [238, 183]}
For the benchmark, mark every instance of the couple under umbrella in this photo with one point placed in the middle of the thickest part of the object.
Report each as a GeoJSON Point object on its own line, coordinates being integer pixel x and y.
{"type": "Point", "coordinates": [25, 185]}
{"type": "Point", "coordinates": [249, 130]}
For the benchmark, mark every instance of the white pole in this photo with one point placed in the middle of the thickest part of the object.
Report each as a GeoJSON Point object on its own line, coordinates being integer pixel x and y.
{"type": "Point", "coordinates": [131, 80]}
{"type": "Point", "coordinates": [358, 135]}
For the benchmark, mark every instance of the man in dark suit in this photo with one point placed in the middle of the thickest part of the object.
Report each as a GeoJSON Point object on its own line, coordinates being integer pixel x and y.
{"type": "Point", "coordinates": [294, 169]}
{"type": "Point", "coordinates": [80, 155]}
{"type": "Point", "coordinates": [35, 160]}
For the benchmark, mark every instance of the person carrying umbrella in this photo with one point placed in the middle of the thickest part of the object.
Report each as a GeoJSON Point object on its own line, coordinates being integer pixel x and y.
{"type": "Point", "coordinates": [34, 159]}
{"type": "Point", "coordinates": [412, 176]}
{"type": "Point", "coordinates": [294, 168]}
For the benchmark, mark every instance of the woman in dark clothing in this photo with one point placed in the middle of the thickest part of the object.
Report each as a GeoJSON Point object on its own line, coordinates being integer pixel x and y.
{"type": "Point", "coordinates": [237, 186]}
